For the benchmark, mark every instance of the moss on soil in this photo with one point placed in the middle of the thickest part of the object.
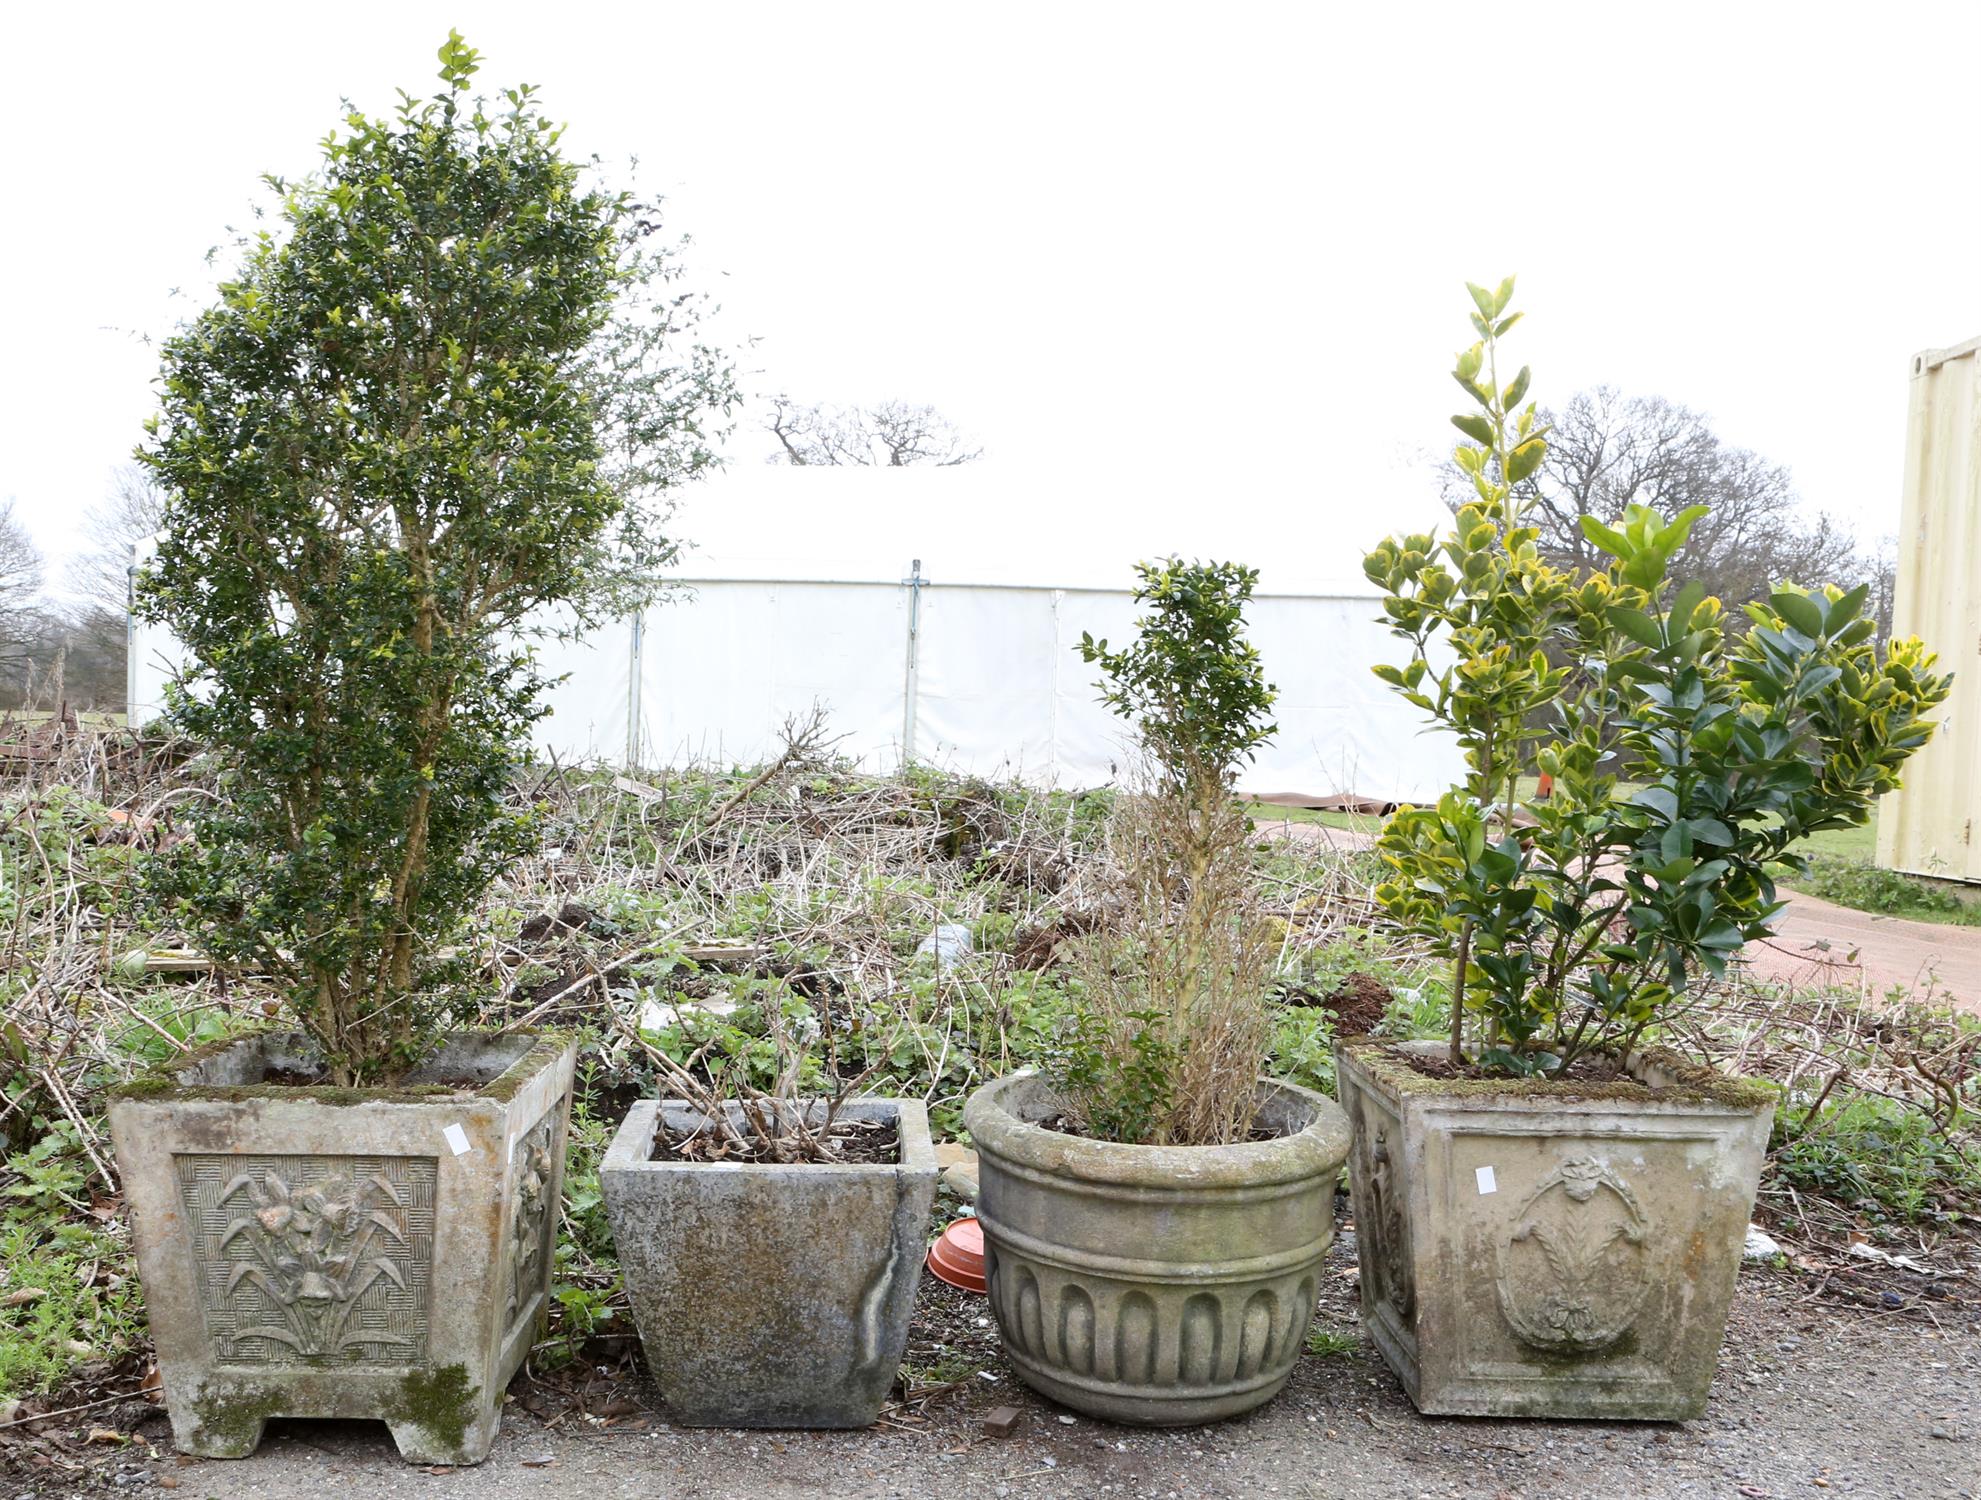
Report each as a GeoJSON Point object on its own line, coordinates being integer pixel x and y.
{"type": "Point", "coordinates": [1692, 1083]}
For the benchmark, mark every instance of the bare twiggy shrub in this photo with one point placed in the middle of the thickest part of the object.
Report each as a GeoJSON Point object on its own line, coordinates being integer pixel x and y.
{"type": "Point", "coordinates": [1174, 1028]}
{"type": "Point", "coordinates": [737, 1121]}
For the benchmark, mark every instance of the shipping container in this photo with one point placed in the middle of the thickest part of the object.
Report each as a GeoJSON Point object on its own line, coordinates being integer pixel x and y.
{"type": "Point", "coordinates": [1928, 826]}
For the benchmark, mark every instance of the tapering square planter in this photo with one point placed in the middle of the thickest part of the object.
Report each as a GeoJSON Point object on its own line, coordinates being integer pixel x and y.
{"type": "Point", "coordinates": [322, 1252]}
{"type": "Point", "coordinates": [1551, 1249]}
{"type": "Point", "coordinates": [770, 1295]}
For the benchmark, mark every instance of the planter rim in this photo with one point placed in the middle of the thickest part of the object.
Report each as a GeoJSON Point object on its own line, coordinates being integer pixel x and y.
{"type": "Point", "coordinates": [1658, 1077]}
{"type": "Point", "coordinates": [166, 1081]}
{"type": "Point", "coordinates": [632, 1143]}
{"type": "Point", "coordinates": [998, 1129]}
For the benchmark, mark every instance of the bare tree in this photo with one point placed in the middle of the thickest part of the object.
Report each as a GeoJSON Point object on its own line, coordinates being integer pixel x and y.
{"type": "Point", "coordinates": [1879, 568]}
{"type": "Point", "coordinates": [73, 652]}
{"type": "Point", "coordinates": [1608, 451]}
{"type": "Point", "coordinates": [131, 513]}
{"type": "Point", "coordinates": [890, 435]}
{"type": "Point", "coordinates": [20, 583]}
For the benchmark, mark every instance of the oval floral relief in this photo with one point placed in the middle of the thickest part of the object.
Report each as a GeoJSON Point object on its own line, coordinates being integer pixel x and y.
{"type": "Point", "coordinates": [1572, 1271]}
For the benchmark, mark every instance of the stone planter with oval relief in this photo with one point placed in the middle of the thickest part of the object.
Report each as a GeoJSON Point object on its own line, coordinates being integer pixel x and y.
{"type": "Point", "coordinates": [1158, 1285]}
{"type": "Point", "coordinates": [1551, 1249]}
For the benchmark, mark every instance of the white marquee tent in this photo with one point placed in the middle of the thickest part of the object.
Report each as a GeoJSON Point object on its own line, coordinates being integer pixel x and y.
{"type": "Point", "coordinates": [802, 587]}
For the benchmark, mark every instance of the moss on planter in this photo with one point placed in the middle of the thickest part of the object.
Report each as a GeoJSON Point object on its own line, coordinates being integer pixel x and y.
{"type": "Point", "coordinates": [235, 1422]}
{"type": "Point", "coordinates": [164, 1079]}
{"type": "Point", "coordinates": [1691, 1082]}
{"type": "Point", "coordinates": [509, 1082]}
{"type": "Point", "coordinates": [442, 1402]}
{"type": "Point", "coordinates": [151, 1087]}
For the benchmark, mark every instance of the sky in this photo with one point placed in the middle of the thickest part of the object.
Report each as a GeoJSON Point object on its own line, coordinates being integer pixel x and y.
{"type": "Point", "coordinates": [1192, 273]}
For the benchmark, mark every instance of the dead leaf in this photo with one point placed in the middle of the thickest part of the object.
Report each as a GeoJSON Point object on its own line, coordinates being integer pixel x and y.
{"type": "Point", "coordinates": [106, 1435]}
{"type": "Point", "coordinates": [24, 1296]}
{"type": "Point", "coordinates": [540, 1461]}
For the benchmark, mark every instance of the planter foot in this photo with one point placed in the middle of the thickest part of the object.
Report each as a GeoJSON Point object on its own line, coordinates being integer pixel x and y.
{"type": "Point", "coordinates": [236, 1440]}
{"type": "Point", "coordinates": [420, 1444]}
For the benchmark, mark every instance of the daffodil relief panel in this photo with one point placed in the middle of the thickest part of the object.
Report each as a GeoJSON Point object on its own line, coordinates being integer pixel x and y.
{"type": "Point", "coordinates": [314, 1260]}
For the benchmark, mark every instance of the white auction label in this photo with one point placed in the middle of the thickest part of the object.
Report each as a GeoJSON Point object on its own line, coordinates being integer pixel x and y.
{"type": "Point", "coordinates": [1486, 1183]}
{"type": "Point", "coordinates": [456, 1138]}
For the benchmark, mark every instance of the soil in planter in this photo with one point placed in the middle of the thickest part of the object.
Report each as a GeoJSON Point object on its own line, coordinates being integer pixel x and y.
{"type": "Point", "coordinates": [1588, 1068]}
{"type": "Point", "coordinates": [1067, 1125]}
{"type": "Point", "coordinates": [848, 1143]}
{"type": "Point", "coordinates": [298, 1078]}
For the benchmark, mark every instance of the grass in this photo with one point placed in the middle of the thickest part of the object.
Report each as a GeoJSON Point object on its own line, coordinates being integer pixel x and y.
{"type": "Point", "coordinates": [1328, 1343]}
{"type": "Point", "coordinates": [1860, 844]}
{"type": "Point", "coordinates": [1267, 813]}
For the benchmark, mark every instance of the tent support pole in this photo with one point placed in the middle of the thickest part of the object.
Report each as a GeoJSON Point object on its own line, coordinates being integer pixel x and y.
{"type": "Point", "coordinates": [637, 673]}
{"type": "Point", "coordinates": [131, 643]}
{"type": "Point", "coordinates": [911, 688]}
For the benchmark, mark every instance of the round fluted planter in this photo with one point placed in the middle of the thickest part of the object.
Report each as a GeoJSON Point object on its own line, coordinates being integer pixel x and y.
{"type": "Point", "coordinates": [1158, 1285]}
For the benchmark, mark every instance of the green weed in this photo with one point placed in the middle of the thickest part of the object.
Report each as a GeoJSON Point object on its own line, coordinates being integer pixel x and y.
{"type": "Point", "coordinates": [1887, 1162]}
{"type": "Point", "coordinates": [67, 1292]}
{"type": "Point", "coordinates": [1868, 887]}
{"type": "Point", "coordinates": [1327, 1343]}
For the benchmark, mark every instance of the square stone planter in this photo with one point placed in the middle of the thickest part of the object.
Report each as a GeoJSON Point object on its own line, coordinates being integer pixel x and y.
{"type": "Point", "coordinates": [771, 1296]}
{"type": "Point", "coordinates": [322, 1252]}
{"type": "Point", "coordinates": [1551, 1249]}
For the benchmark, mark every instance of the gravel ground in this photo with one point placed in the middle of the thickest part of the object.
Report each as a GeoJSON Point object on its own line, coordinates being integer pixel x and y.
{"type": "Point", "coordinates": [1809, 1399]}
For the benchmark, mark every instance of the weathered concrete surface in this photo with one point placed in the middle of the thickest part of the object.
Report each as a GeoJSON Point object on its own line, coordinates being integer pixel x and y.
{"type": "Point", "coordinates": [1549, 1252]}
{"type": "Point", "coordinates": [772, 1296]}
{"type": "Point", "coordinates": [315, 1252]}
{"type": "Point", "coordinates": [1163, 1285]}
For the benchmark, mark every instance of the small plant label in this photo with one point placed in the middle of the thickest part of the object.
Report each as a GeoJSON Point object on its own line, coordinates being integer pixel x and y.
{"type": "Point", "coordinates": [457, 1140]}
{"type": "Point", "coordinates": [1486, 1182]}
